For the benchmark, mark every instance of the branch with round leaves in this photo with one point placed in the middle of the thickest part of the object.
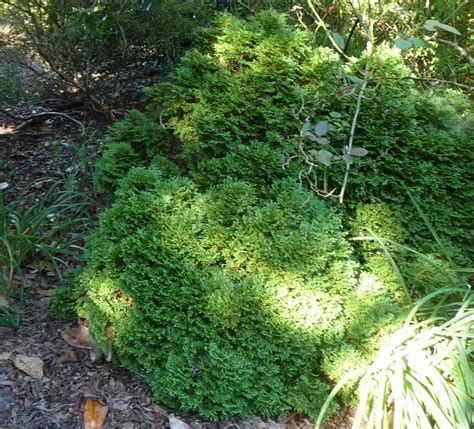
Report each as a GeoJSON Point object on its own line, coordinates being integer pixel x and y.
{"type": "Point", "coordinates": [403, 42]}
{"type": "Point", "coordinates": [321, 155]}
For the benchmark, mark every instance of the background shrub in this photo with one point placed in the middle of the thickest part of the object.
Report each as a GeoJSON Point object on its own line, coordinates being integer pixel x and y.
{"type": "Point", "coordinates": [92, 45]}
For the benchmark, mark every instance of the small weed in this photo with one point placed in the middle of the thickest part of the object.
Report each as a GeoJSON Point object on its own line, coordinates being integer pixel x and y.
{"type": "Point", "coordinates": [8, 319]}
{"type": "Point", "coordinates": [42, 229]}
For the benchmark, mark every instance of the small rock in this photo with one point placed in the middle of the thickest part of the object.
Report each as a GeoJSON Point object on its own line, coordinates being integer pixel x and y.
{"type": "Point", "coordinates": [32, 366]}
{"type": "Point", "coordinates": [69, 356]}
{"type": "Point", "coordinates": [42, 304]}
{"type": "Point", "coordinates": [177, 424]}
{"type": "Point", "coordinates": [127, 425]}
{"type": "Point", "coordinates": [5, 355]}
{"type": "Point", "coordinates": [119, 405]}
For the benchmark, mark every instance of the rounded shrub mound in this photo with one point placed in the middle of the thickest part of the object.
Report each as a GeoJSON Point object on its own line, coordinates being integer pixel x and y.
{"type": "Point", "coordinates": [237, 107]}
{"type": "Point", "coordinates": [235, 291]}
{"type": "Point", "coordinates": [223, 301]}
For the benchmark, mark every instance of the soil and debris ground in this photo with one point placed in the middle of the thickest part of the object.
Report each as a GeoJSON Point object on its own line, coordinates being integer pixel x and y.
{"type": "Point", "coordinates": [40, 154]}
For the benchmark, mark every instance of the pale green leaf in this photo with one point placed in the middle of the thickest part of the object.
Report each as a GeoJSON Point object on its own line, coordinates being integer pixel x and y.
{"type": "Point", "coordinates": [403, 43]}
{"type": "Point", "coordinates": [449, 28]}
{"type": "Point", "coordinates": [339, 40]}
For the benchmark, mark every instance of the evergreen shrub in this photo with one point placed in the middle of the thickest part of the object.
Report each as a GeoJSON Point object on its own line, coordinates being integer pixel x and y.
{"type": "Point", "coordinates": [234, 290]}
{"type": "Point", "coordinates": [222, 300]}
{"type": "Point", "coordinates": [255, 82]}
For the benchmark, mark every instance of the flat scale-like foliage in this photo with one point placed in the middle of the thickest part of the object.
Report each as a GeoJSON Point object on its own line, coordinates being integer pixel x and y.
{"type": "Point", "coordinates": [234, 290]}
{"type": "Point", "coordinates": [222, 301]}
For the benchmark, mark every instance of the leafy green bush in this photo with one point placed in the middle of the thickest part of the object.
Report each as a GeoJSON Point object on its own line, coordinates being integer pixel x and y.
{"type": "Point", "coordinates": [236, 291]}
{"type": "Point", "coordinates": [224, 301]}
{"type": "Point", "coordinates": [145, 135]}
{"type": "Point", "coordinates": [116, 161]}
{"type": "Point", "coordinates": [241, 90]}
{"type": "Point", "coordinates": [255, 82]}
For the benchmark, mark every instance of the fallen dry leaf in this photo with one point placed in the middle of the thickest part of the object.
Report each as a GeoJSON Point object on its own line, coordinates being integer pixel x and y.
{"type": "Point", "coordinates": [78, 337]}
{"type": "Point", "coordinates": [33, 366]}
{"type": "Point", "coordinates": [4, 302]}
{"type": "Point", "coordinates": [95, 413]}
{"type": "Point", "coordinates": [68, 356]}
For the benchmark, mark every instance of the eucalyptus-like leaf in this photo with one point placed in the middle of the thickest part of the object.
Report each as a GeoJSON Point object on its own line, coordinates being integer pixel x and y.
{"type": "Point", "coordinates": [430, 24]}
{"type": "Point", "coordinates": [335, 115]}
{"type": "Point", "coordinates": [339, 40]}
{"type": "Point", "coordinates": [321, 128]}
{"type": "Point", "coordinates": [306, 127]}
{"type": "Point", "coordinates": [322, 140]}
{"type": "Point", "coordinates": [324, 157]}
{"type": "Point", "coordinates": [418, 42]}
{"type": "Point", "coordinates": [449, 28]}
{"type": "Point", "coordinates": [358, 151]}
{"type": "Point", "coordinates": [403, 43]}
{"type": "Point", "coordinates": [347, 159]}
{"type": "Point", "coordinates": [354, 79]}
{"type": "Point", "coordinates": [433, 25]}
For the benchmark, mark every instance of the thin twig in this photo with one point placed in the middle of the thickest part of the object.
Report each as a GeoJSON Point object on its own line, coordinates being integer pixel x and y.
{"type": "Point", "coordinates": [41, 117]}
{"type": "Point", "coordinates": [455, 46]}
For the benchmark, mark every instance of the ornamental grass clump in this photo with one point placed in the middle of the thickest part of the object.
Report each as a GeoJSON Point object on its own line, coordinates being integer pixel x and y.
{"type": "Point", "coordinates": [422, 377]}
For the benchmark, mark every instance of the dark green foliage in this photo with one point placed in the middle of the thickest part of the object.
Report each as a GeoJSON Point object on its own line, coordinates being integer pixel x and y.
{"type": "Point", "coordinates": [418, 143]}
{"type": "Point", "coordinates": [136, 140]}
{"type": "Point", "coordinates": [63, 302]}
{"type": "Point", "coordinates": [145, 135]}
{"type": "Point", "coordinates": [223, 301]}
{"type": "Point", "coordinates": [116, 160]}
{"type": "Point", "coordinates": [256, 162]}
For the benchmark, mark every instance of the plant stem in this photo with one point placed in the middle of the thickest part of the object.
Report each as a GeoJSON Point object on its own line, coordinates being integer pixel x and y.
{"type": "Point", "coordinates": [353, 127]}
